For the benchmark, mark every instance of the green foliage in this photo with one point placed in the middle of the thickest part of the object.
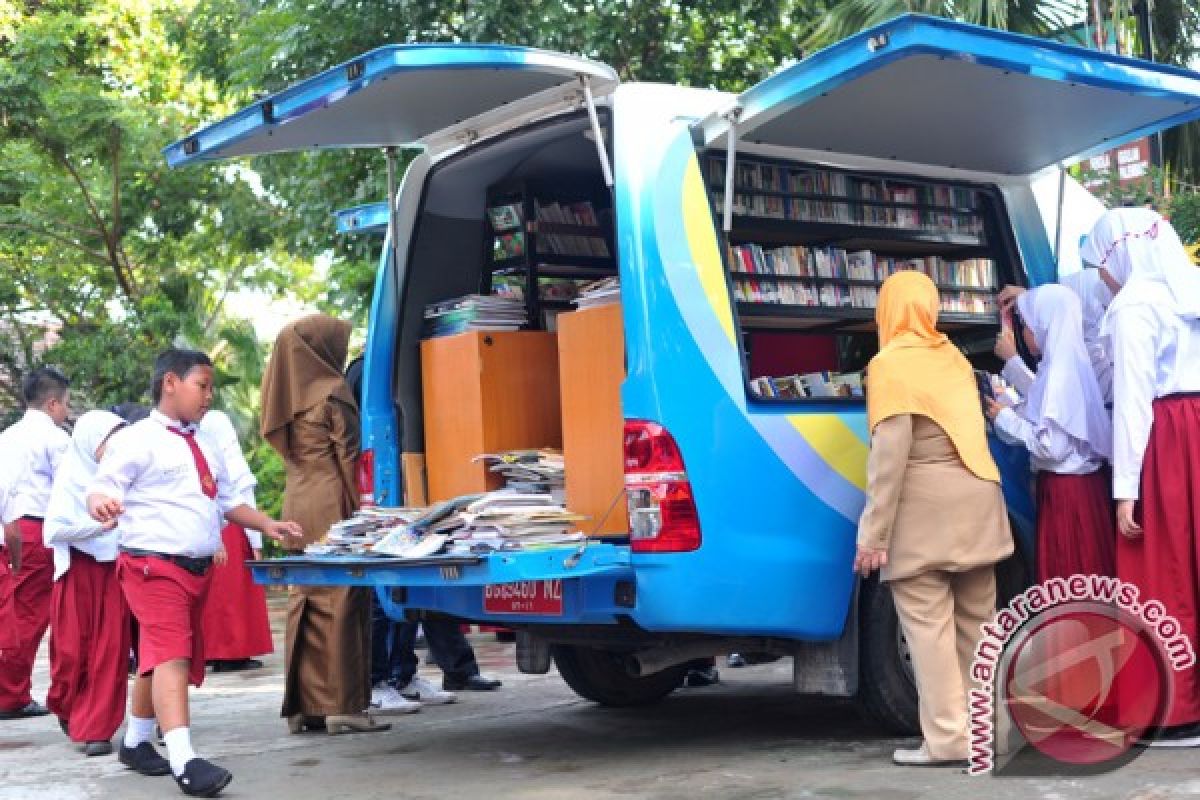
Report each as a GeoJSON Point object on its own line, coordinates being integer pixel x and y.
{"type": "Point", "coordinates": [1184, 212]}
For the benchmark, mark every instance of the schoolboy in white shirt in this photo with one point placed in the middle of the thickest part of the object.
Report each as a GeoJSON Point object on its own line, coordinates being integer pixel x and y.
{"type": "Point", "coordinates": [35, 445]}
{"type": "Point", "coordinates": [169, 489]}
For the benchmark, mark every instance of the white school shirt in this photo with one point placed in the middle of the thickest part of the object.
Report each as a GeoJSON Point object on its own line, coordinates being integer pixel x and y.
{"type": "Point", "coordinates": [1050, 447]}
{"type": "Point", "coordinates": [1156, 353]}
{"type": "Point", "coordinates": [9, 471]}
{"type": "Point", "coordinates": [217, 426]}
{"type": "Point", "coordinates": [152, 472]}
{"type": "Point", "coordinates": [37, 444]}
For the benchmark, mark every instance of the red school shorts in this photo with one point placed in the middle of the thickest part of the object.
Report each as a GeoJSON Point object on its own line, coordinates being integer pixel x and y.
{"type": "Point", "coordinates": [168, 603]}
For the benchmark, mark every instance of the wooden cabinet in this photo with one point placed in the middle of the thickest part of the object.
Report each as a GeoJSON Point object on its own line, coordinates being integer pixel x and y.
{"type": "Point", "coordinates": [591, 353]}
{"type": "Point", "coordinates": [486, 392]}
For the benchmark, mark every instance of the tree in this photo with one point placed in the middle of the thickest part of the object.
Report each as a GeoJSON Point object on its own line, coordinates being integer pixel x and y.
{"type": "Point", "coordinates": [95, 231]}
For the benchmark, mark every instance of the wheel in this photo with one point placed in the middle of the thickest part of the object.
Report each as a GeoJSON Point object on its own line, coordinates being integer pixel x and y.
{"type": "Point", "coordinates": [887, 692]}
{"type": "Point", "coordinates": [600, 676]}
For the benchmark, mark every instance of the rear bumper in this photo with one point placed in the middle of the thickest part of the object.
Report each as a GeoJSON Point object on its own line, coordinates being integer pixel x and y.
{"type": "Point", "coordinates": [597, 582]}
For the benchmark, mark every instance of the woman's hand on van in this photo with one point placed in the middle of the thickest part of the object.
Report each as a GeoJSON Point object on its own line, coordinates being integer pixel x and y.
{"type": "Point", "coordinates": [869, 559]}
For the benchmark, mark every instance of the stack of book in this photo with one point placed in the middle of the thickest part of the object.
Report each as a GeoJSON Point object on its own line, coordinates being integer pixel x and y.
{"type": "Point", "coordinates": [474, 312]}
{"type": "Point", "coordinates": [528, 471]}
{"type": "Point", "coordinates": [811, 384]}
{"type": "Point", "coordinates": [599, 293]}
{"type": "Point", "coordinates": [579, 214]}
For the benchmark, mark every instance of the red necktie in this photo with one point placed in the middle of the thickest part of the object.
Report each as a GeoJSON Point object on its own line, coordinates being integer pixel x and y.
{"type": "Point", "coordinates": [208, 484]}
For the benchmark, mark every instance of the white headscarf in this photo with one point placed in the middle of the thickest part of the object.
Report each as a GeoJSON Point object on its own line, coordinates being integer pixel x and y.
{"type": "Point", "coordinates": [67, 518]}
{"type": "Point", "coordinates": [1065, 390]}
{"type": "Point", "coordinates": [218, 429]}
{"type": "Point", "coordinates": [1143, 253]}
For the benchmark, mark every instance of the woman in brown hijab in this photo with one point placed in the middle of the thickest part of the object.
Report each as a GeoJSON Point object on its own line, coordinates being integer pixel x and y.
{"type": "Point", "coordinates": [309, 417]}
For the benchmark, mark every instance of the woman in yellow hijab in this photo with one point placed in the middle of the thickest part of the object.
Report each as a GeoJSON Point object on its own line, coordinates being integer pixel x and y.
{"type": "Point", "coordinates": [935, 523]}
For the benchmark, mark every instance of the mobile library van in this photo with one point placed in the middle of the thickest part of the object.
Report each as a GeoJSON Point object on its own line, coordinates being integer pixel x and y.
{"type": "Point", "coordinates": [718, 407]}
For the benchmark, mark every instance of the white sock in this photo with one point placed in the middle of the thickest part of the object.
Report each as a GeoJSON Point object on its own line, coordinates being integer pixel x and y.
{"type": "Point", "coordinates": [138, 730]}
{"type": "Point", "coordinates": [179, 748]}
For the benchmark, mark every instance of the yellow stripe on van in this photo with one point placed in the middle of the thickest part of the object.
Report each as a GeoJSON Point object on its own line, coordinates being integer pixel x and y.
{"type": "Point", "coordinates": [702, 242]}
{"type": "Point", "coordinates": [834, 442]}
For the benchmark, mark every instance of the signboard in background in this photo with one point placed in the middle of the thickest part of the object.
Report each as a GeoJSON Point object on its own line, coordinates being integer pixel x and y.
{"type": "Point", "coordinates": [1129, 162]}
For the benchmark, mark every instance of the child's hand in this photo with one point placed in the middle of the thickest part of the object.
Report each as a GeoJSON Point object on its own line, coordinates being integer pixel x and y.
{"type": "Point", "coordinates": [1007, 296]}
{"type": "Point", "coordinates": [1125, 521]}
{"type": "Point", "coordinates": [104, 508]}
{"type": "Point", "coordinates": [993, 408]}
{"type": "Point", "coordinates": [221, 557]}
{"type": "Point", "coordinates": [283, 530]}
{"type": "Point", "coordinates": [1006, 345]}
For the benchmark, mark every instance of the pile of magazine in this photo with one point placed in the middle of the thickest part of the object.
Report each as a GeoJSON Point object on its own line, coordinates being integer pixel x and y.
{"type": "Point", "coordinates": [484, 523]}
{"type": "Point", "coordinates": [474, 312]}
{"type": "Point", "coordinates": [360, 534]}
{"type": "Point", "coordinates": [599, 293]}
{"type": "Point", "coordinates": [529, 471]}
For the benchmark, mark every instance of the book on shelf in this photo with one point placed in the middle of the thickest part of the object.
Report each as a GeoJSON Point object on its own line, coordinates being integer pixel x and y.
{"type": "Point", "coordinates": [836, 263]}
{"type": "Point", "coordinates": [508, 245]}
{"type": "Point", "coordinates": [505, 217]}
{"type": "Point", "coordinates": [810, 384]}
{"type": "Point", "coordinates": [814, 195]}
{"type": "Point", "coordinates": [599, 293]}
{"type": "Point", "coordinates": [581, 214]}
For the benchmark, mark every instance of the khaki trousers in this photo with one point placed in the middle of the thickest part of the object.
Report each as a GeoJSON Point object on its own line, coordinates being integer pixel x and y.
{"type": "Point", "coordinates": [940, 613]}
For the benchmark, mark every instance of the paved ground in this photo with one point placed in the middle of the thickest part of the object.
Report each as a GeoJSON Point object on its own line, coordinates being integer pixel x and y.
{"type": "Point", "coordinates": [747, 738]}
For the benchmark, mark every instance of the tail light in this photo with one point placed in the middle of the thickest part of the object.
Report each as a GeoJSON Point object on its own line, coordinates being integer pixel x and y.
{"type": "Point", "coordinates": [366, 478]}
{"type": "Point", "coordinates": [662, 509]}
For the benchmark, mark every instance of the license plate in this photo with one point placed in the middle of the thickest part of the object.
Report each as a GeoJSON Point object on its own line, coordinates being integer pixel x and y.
{"type": "Point", "coordinates": [524, 597]}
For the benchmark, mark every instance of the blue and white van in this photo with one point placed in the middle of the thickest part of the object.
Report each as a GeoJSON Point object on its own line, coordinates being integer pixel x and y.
{"type": "Point", "coordinates": [920, 138]}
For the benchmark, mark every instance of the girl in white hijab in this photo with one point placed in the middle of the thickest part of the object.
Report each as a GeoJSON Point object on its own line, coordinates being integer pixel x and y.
{"type": "Point", "coordinates": [1154, 327]}
{"type": "Point", "coordinates": [90, 630]}
{"type": "Point", "coordinates": [1065, 427]}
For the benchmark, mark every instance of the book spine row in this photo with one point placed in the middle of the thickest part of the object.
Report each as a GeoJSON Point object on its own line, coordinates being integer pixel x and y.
{"type": "Point", "coordinates": [834, 262]}
{"type": "Point", "coordinates": [849, 213]}
{"type": "Point", "coordinates": [766, 291]}
{"type": "Point", "coordinates": [751, 176]}
{"type": "Point", "coordinates": [582, 214]}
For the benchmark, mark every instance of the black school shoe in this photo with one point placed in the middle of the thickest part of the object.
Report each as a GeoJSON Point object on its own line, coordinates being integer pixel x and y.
{"type": "Point", "coordinates": [202, 778]}
{"type": "Point", "coordinates": [34, 709]}
{"type": "Point", "coordinates": [144, 759]}
{"type": "Point", "coordinates": [97, 748]}
{"type": "Point", "coordinates": [235, 665]}
{"type": "Point", "coordinates": [475, 683]}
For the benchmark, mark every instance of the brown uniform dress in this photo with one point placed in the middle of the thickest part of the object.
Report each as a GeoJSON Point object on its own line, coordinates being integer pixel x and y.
{"type": "Point", "coordinates": [309, 417]}
{"type": "Point", "coordinates": [944, 529]}
{"type": "Point", "coordinates": [328, 642]}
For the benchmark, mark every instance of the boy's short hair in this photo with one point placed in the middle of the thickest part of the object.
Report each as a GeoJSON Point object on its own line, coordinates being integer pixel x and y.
{"type": "Point", "coordinates": [177, 361]}
{"type": "Point", "coordinates": [42, 385]}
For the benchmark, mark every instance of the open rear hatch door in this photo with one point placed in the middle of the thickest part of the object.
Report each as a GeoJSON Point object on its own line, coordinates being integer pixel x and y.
{"type": "Point", "coordinates": [925, 90]}
{"type": "Point", "coordinates": [421, 94]}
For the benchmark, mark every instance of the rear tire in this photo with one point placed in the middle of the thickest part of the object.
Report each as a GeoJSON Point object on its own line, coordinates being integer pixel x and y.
{"type": "Point", "coordinates": [887, 692]}
{"type": "Point", "coordinates": [600, 676]}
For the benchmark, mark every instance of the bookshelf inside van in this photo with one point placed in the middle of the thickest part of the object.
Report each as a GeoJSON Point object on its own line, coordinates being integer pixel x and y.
{"type": "Point", "coordinates": [544, 241]}
{"type": "Point", "coordinates": [810, 246]}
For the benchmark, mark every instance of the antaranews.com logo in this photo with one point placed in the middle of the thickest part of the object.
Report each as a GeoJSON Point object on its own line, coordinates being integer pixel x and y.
{"type": "Point", "coordinates": [1071, 676]}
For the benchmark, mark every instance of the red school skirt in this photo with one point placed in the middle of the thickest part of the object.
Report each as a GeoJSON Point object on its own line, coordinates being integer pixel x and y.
{"type": "Point", "coordinates": [1163, 561]}
{"type": "Point", "coordinates": [235, 612]}
{"type": "Point", "coordinates": [1076, 533]}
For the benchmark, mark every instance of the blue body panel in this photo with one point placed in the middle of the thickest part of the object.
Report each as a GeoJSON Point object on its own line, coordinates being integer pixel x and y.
{"type": "Point", "coordinates": [367, 218]}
